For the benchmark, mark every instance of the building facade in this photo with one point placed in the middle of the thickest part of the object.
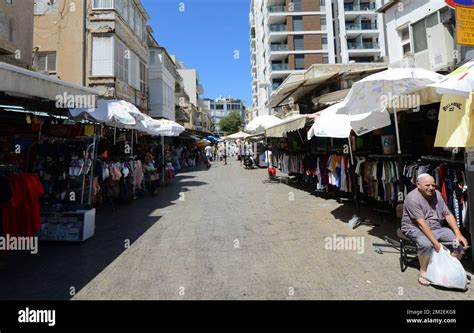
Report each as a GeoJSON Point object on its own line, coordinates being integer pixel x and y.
{"type": "Point", "coordinates": [188, 93]}
{"type": "Point", "coordinates": [221, 107]}
{"type": "Point", "coordinates": [96, 43]}
{"type": "Point", "coordinates": [163, 77]}
{"type": "Point", "coordinates": [421, 34]}
{"type": "Point", "coordinates": [288, 36]}
{"type": "Point", "coordinates": [16, 32]}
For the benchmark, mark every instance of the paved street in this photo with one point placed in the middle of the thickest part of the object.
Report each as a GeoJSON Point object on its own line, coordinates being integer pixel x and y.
{"type": "Point", "coordinates": [218, 234]}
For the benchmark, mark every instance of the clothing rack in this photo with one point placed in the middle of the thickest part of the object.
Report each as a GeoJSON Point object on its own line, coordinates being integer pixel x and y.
{"type": "Point", "coordinates": [441, 159]}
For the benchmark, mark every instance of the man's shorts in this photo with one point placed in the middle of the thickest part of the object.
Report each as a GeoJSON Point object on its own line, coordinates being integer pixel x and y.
{"type": "Point", "coordinates": [424, 245]}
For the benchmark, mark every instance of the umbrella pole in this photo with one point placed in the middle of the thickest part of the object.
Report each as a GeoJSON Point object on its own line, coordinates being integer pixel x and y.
{"type": "Point", "coordinates": [397, 133]}
{"type": "Point", "coordinates": [399, 153]}
{"type": "Point", "coordinates": [163, 158]}
{"type": "Point", "coordinates": [356, 190]}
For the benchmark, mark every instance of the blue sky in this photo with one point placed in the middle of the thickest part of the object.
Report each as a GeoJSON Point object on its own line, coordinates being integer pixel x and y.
{"type": "Point", "coordinates": [205, 36]}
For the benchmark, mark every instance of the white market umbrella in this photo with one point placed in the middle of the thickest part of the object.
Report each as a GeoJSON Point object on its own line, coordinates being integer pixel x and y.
{"type": "Point", "coordinates": [332, 123]}
{"type": "Point", "coordinates": [460, 82]}
{"type": "Point", "coordinates": [377, 92]}
{"type": "Point", "coordinates": [169, 128]}
{"type": "Point", "coordinates": [109, 112]}
{"type": "Point", "coordinates": [261, 123]}
{"type": "Point", "coordinates": [236, 136]}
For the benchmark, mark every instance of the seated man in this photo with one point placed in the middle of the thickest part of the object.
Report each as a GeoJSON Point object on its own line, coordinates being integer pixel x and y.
{"type": "Point", "coordinates": [423, 211]}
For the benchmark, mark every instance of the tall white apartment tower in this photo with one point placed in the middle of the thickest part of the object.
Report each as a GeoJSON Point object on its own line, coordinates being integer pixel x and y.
{"type": "Point", "coordinates": [288, 36]}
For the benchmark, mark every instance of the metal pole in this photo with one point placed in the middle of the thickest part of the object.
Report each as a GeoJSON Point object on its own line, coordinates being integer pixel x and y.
{"type": "Point", "coordinates": [95, 142]}
{"type": "Point", "coordinates": [356, 190]}
{"type": "Point", "coordinates": [163, 157]}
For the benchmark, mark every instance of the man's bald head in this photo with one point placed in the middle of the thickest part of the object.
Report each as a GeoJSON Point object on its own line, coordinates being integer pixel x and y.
{"type": "Point", "coordinates": [426, 185]}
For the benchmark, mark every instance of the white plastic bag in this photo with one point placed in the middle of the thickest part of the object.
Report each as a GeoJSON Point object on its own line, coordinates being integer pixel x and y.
{"type": "Point", "coordinates": [446, 271]}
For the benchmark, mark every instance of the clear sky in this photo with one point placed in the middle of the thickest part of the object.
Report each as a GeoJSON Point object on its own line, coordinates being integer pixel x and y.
{"type": "Point", "coordinates": [207, 35]}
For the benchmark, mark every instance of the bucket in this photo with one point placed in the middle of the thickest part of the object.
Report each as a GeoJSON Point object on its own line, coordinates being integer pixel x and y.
{"type": "Point", "coordinates": [388, 144]}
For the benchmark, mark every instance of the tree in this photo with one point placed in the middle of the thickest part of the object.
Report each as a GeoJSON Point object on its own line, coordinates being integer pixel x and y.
{"type": "Point", "coordinates": [231, 123]}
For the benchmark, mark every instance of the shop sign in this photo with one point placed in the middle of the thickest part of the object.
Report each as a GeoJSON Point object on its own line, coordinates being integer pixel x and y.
{"type": "Point", "coordinates": [465, 25]}
{"type": "Point", "coordinates": [455, 3]}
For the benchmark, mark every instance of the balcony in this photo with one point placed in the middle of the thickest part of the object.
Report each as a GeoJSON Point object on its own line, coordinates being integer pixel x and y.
{"type": "Point", "coordinates": [278, 27]}
{"type": "Point", "coordinates": [279, 47]}
{"type": "Point", "coordinates": [361, 46]}
{"type": "Point", "coordinates": [352, 7]}
{"type": "Point", "coordinates": [280, 67]}
{"type": "Point", "coordinates": [276, 9]}
{"type": "Point", "coordinates": [361, 26]}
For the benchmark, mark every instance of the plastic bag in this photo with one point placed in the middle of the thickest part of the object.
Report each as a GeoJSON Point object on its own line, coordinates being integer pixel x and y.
{"type": "Point", "coordinates": [446, 271]}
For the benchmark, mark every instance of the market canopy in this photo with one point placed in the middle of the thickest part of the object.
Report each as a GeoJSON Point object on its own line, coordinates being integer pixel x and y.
{"type": "Point", "coordinates": [261, 123]}
{"type": "Point", "coordinates": [169, 128]}
{"type": "Point", "coordinates": [460, 82]}
{"type": "Point", "coordinates": [332, 123]}
{"type": "Point", "coordinates": [109, 112]}
{"type": "Point", "coordinates": [19, 81]}
{"type": "Point", "coordinates": [378, 91]}
{"type": "Point", "coordinates": [289, 124]}
{"type": "Point", "coordinates": [237, 136]}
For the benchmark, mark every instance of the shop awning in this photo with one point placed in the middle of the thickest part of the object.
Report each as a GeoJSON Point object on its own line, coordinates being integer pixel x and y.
{"type": "Point", "coordinates": [332, 97]}
{"type": "Point", "coordinates": [17, 81]}
{"type": "Point", "coordinates": [298, 85]}
{"type": "Point", "coordinates": [289, 124]}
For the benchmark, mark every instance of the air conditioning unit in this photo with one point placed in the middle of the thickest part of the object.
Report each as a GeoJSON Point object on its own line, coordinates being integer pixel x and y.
{"type": "Point", "coordinates": [440, 47]}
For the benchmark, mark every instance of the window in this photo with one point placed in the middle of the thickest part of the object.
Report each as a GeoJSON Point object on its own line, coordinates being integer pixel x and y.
{"type": "Point", "coordinates": [297, 23]}
{"type": "Point", "coordinates": [138, 23]}
{"type": "Point", "coordinates": [324, 40]}
{"type": "Point", "coordinates": [121, 61]}
{"type": "Point", "coordinates": [406, 48]}
{"type": "Point", "coordinates": [297, 5]}
{"type": "Point", "coordinates": [142, 77]}
{"type": "Point", "coordinates": [102, 56]}
{"type": "Point", "coordinates": [299, 61]}
{"type": "Point", "coordinates": [323, 21]}
{"type": "Point", "coordinates": [432, 20]}
{"type": "Point", "coordinates": [419, 36]}
{"type": "Point", "coordinates": [45, 7]}
{"type": "Point", "coordinates": [45, 62]}
{"type": "Point", "coordinates": [152, 57]}
{"type": "Point", "coordinates": [10, 2]}
{"type": "Point", "coordinates": [325, 59]}
{"type": "Point", "coordinates": [298, 43]}
{"type": "Point", "coordinates": [405, 34]}
{"type": "Point", "coordinates": [103, 4]}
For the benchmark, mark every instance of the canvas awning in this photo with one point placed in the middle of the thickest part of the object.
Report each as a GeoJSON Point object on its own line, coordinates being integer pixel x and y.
{"type": "Point", "coordinates": [289, 124]}
{"type": "Point", "coordinates": [297, 85]}
{"type": "Point", "coordinates": [17, 81]}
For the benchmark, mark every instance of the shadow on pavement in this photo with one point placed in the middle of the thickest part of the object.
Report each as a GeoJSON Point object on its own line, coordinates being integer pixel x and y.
{"type": "Point", "coordinates": [59, 268]}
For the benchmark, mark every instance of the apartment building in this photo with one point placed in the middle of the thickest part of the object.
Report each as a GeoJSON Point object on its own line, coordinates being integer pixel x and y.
{"type": "Point", "coordinates": [16, 32]}
{"type": "Point", "coordinates": [163, 77]}
{"type": "Point", "coordinates": [421, 34]}
{"type": "Point", "coordinates": [96, 43]}
{"type": "Point", "coordinates": [221, 107]}
{"type": "Point", "coordinates": [288, 36]}
{"type": "Point", "coordinates": [192, 104]}
{"type": "Point", "coordinates": [359, 31]}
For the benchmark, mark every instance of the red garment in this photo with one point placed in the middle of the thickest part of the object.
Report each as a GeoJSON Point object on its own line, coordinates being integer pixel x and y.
{"type": "Point", "coordinates": [21, 214]}
{"type": "Point", "coordinates": [442, 185]}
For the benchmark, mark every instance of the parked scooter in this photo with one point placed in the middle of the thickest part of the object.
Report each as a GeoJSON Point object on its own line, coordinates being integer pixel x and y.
{"type": "Point", "coordinates": [249, 162]}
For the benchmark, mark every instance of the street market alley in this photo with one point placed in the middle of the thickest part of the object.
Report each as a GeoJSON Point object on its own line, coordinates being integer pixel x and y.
{"type": "Point", "coordinates": [220, 234]}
